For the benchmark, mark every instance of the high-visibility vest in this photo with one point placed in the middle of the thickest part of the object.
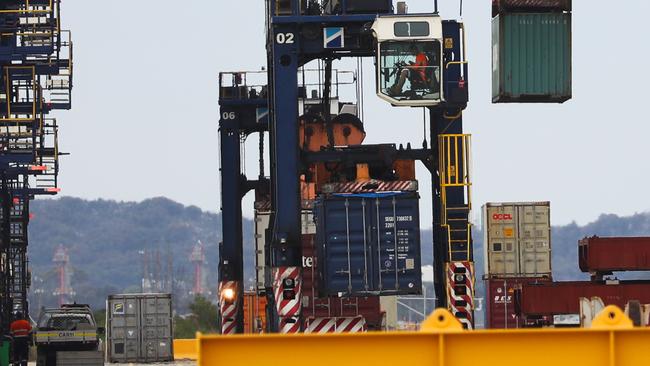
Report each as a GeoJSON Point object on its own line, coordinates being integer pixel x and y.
{"type": "Point", "coordinates": [20, 328]}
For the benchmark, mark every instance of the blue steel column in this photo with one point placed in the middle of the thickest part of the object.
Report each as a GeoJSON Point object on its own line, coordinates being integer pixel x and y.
{"type": "Point", "coordinates": [455, 198]}
{"type": "Point", "coordinates": [231, 261]}
{"type": "Point", "coordinates": [285, 246]}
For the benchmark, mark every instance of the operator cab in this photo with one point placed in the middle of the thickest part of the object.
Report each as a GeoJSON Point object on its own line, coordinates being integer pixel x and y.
{"type": "Point", "coordinates": [409, 61]}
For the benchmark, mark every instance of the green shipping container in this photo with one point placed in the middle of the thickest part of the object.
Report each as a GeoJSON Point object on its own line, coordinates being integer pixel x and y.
{"type": "Point", "coordinates": [531, 58]}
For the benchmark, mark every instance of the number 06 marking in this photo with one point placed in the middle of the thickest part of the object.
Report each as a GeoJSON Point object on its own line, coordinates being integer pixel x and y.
{"type": "Point", "coordinates": [228, 115]}
{"type": "Point", "coordinates": [284, 38]}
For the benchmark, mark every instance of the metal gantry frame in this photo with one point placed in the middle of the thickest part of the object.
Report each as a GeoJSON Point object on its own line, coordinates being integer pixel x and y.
{"type": "Point", "coordinates": [35, 79]}
{"type": "Point", "coordinates": [294, 38]}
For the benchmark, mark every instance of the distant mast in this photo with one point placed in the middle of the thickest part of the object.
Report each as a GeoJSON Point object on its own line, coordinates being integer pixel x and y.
{"type": "Point", "coordinates": [61, 260]}
{"type": "Point", "coordinates": [197, 257]}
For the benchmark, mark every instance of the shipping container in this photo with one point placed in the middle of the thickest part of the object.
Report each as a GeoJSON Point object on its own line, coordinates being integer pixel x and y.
{"type": "Point", "coordinates": [254, 313]}
{"type": "Point", "coordinates": [500, 312]}
{"type": "Point", "coordinates": [314, 306]}
{"type": "Point", "coordinates": [369, 6]}
{"type": "Point", "coordinates": [139, 328]}
{"type": "Point", "coordinates": [604, 255]}
{"type": "Point", "coordinates": [555, 298]}
{"type": "Point", "coordinates": [531, 57]}
{"type": "Point", "coordinates": [517, 239]}
{"type": "Point", "coordinates": [262, 272]}
{"type": "Point", "coordinates": [529, 6]}
{"type": "Point", "coordinates": [369, 243]}
{"type": "Point", "coordinates": [263, 277]}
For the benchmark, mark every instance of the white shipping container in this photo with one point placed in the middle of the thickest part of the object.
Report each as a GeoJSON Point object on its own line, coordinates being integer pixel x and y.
{"type": "Point", "coordinates": [517, 239]}
{"type": "Point", "coordinates": [263, 275]}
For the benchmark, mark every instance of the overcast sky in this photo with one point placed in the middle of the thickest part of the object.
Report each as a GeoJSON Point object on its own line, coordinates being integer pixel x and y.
{"type": "Point", "coordinates": [145, 112]}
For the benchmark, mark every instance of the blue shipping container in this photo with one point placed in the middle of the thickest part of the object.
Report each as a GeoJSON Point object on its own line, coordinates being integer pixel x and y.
{"type": "Point", "coordinates": [369, 244]}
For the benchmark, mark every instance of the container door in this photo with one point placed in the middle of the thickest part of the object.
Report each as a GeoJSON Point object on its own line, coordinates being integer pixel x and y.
{"type": "Point", "coordinates": [500, 312]}
{"type": "Point", "coordinates": [345, 245]}
{"type": "Point", "coordinates": [535, 249]}
{"type": "Point", "coordinates": [396, 242]}
{"type": "Point", "coordinates": [156, 328]}
{"type": "Point", "coordinates": [124, 329]}
{"type": "Point", "coordinates": [502, 248]}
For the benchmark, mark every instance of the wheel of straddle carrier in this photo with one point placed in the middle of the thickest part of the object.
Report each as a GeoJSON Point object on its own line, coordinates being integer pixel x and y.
{"type": "Point", "coordinates": [634, 312]}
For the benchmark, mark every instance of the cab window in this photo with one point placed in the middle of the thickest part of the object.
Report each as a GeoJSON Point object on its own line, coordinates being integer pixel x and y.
{"type": "Point", "coordinates": [410, 70]}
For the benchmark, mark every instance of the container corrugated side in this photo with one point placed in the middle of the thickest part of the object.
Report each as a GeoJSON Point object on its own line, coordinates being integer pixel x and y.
{"type": "Point", "coordinates": [554, 298]}
{"type": "Point", "coordinates": [614, 254]}
{"type": "Point", "coordinates": [369, 243]}
{"type": "Point", "coordinates": [531, 57]}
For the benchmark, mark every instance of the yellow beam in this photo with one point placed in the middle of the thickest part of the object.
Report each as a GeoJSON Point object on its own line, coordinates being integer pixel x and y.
{"type": "Point", "coordinates": [611, 342]}
{"type": "Point", "coordinates": [185, 349]}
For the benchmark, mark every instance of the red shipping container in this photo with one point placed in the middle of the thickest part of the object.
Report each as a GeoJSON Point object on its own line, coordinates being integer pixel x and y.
{"type": "Point", "coordinates": [333, 307]}
{"type": "Point", "coordinates": [529, 6]}
{"type": "Point", "coordinates": [614, 254]}
{"type": "Point", "coordinates": [500, 310]}
{"type": "Point", "coordinates": [555, 298]}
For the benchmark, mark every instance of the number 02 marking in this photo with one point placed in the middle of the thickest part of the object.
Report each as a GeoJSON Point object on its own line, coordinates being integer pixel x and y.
{"type": "Point", "coordinates": [284, 38]}
{"type": "Point", "coordinates": [228, 115]}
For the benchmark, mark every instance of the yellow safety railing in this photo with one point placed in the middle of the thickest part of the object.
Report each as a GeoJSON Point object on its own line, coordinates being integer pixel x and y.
{"type": "Point", "coordinates": [454, 166]}
{"type": "Point", "coordinates": [31, 88]}
{"type": "Point", "coordinates": [611, 341]}
{"type": "Point", "coordinates": [449, 243]}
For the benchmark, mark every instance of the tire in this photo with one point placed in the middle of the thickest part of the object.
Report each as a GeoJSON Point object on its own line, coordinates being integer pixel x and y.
{"type": "Point", "coordinates": [634, 312]}
{"type": "Point", "coordinates": [41, 357]}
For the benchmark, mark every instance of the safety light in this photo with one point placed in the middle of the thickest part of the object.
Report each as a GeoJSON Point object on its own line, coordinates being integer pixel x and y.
{"type": "Point", "coordinates": [228, 294]}
{"type": "Point", "coordinates": [289, 292]}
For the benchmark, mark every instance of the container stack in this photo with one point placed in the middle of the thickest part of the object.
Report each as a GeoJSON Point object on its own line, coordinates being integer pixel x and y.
{"type": "Point", "coordinates": [531, 51]}
{"type": "Point", "coordinates": [517, 243]}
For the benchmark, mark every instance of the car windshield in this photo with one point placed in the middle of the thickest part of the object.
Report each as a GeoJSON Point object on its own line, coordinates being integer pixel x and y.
{"type": "Point", "coordinates": [65, 321]}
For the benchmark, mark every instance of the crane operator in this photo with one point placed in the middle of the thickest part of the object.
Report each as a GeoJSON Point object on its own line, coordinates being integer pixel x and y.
{"type": "Point", "coordinates": [416, 72]}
